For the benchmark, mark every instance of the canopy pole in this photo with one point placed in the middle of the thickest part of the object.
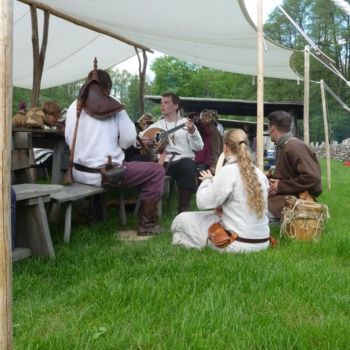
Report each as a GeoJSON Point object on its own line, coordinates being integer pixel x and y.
{"type": "Point", "coordinates": [260, 93]}
{"type": "Point", "coordinates": [306, 94]}
{"type": "Point", "coordinates": [84, 24]}
{"type": "Point", "coordinates": [38, 53]}
{"type": "Point", "coordinates": [142, 76]}
{"type": "Point", "coordinates": [328, 157]}
{"type": "Point", "coordinates": [6, 52]}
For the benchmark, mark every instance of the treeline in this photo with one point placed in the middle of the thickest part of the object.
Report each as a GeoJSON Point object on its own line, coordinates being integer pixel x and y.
{"type": "Point", "coordinates": [326, 25]}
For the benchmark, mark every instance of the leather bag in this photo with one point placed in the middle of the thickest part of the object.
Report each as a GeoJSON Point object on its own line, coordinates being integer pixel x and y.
{"type": "Point", "coordinates": [219, 236]}
{"type": "Point", "coordinates": [113, 177]}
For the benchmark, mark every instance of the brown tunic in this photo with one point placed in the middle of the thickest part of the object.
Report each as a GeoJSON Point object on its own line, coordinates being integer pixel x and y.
{"type": "Point", "coordinates": [298, 170]}
{"type": "Point", "coordinates": [215, 146]}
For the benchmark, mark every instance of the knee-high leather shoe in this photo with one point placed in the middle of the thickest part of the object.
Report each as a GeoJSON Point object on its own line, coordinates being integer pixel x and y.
{"type": "Point", "coordinates": [147, 223]}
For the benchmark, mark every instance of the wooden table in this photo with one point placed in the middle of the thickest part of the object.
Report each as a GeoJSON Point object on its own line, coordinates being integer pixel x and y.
{"type": "Point", "coordinates": [55, 140]}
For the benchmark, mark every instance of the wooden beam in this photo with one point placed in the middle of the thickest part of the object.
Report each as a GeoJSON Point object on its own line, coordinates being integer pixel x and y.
{"type": "Point", "coordinates": [328, 157]}
{"type": "Point", "coordinates": [84, 24]}
{"type": "Point", "coordinates": [306, 94]}
{"type": "Point", "coordinates": [260, 93]}
{"type": "Point", "coordinates": [38, 53]}
{"type": "Point", "coordinates": [6, 49]}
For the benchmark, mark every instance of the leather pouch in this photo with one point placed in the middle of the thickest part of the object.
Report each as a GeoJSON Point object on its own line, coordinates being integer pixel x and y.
{"type": "Point", "coordinates": [219, 236]}
{"type": "Point", "coordinates": [113, 177]}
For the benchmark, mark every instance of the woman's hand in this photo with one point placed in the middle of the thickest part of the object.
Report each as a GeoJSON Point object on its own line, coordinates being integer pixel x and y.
{"type": "Point", "coordinates": [205, 174]}
{"type": "Point", "coordinates": [218, 211]}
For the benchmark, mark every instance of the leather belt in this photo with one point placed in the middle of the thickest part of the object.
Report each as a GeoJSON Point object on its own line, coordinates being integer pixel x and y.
{"type": "Point", "coordinates": [248, 240]}
{"type": "Point", "coordinates": [86, 169]}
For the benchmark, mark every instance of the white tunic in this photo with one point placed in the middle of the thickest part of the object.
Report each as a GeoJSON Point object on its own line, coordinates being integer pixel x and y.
{"type": "Point", "coordinates": [226, 189]}
{"type": "Point", "coordinates": [184, 143]}
{"type": "Point", "coordinates": [96, 139]}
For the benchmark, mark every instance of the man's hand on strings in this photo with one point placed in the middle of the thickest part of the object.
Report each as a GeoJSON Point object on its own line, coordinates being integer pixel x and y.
{"type": "Point", "coordinates": [189, 127]}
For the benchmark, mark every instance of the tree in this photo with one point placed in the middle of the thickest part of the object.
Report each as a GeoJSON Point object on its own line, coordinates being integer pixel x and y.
{"type": "Point", "coordinates": [329, 29]}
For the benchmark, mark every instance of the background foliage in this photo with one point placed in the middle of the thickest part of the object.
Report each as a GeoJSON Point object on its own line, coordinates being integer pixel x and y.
{"type": "Point", "coordinates": [326, 25]}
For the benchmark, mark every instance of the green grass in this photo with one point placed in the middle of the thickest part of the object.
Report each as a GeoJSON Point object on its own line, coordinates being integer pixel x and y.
{"type": "Point", "coordinates": [103, 293]}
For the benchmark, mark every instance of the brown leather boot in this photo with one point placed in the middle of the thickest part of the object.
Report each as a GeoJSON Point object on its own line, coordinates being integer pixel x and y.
{"type": "Point", "coordinates": [184, 200]}
{"type": "Point", "coordinates": [147, 222]}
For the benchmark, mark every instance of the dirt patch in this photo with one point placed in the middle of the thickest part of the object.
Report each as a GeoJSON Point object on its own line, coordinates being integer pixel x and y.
{"type": "Point", "coordinates": [131, 235]}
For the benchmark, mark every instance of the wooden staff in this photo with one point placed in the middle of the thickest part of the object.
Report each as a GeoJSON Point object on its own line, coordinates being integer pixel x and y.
{"type": "Point", "coordinates": [68, 178]}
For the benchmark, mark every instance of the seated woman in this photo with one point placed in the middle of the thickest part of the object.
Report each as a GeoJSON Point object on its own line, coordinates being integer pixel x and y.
{"type": "Point", "coordinates": [238, 192]}
{"type": "Point", "coordinates": [144, 122]}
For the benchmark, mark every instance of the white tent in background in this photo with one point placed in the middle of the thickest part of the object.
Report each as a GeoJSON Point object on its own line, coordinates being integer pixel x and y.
{"type": "Point", "coordinates": [216, 34]}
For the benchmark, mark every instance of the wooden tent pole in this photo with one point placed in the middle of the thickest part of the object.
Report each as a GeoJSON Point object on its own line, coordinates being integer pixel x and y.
{"type": "Point", "coordinates": [83, 23]}
{"type": "Point", "coordinates": [325, 121]}
{"type": "Point", "coordinates": [142, 76]}
{"type": "Point", "coordinates": [260, 93]}
{"type": "Point", "coordinates": [38, 53]}
{"type": "Point", "coordinates": [6, 49]}
{"type": "Point", "coordinates": [306, 94]}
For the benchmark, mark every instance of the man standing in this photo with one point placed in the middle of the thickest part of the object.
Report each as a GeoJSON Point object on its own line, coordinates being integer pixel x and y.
{"type": "Point", "coordinates": [100, 137]}
{"type": "Point", "coordinates": [297, 168]}
{"type": "Point", "coordinates": [182, 140]}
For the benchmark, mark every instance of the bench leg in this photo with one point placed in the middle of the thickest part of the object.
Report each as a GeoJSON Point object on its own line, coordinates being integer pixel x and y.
{"type": "Point", "coordinates": [170, 192]}
{"type": "Point", "coordinates": [137, 206]}
{"type": "Point", "coordinates": [68, 222]}
{"type": "Point", "coordinates": [122, 207]}
{"type": "Point", "coordinates": [103, 206]}
{"type": "Point", "coordinates": [32, 228]}
{"type": "Point", "coordinates": [160, 210]}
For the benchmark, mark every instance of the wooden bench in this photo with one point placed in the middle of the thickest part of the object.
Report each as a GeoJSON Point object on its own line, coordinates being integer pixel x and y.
{"type": "Point", "coordinates": [78, 191]}
{"type": "Point", "coordinates": [32, 236]}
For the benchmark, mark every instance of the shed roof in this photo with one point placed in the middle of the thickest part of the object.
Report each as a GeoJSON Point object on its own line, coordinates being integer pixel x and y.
{"type": "Point", "coordinates": [235, 107]}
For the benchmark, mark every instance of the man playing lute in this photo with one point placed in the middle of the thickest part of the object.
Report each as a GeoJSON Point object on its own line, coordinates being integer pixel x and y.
{"type": "Point", "coordinates": [177, 150]}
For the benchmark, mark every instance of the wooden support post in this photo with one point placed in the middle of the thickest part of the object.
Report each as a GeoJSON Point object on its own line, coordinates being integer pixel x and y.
{"type": "Point", "coordinates": [6, 52]}
{"type": "Point", "coordinates": [306, 94]}
{"type": "Point", "coordinates": [260, 100]}
{"type": "Point", "coordinates": [326, 134]}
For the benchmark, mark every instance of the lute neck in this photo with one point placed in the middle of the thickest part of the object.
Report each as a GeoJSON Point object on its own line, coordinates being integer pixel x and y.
{"type": "Point", "coordinates": [167, 132]}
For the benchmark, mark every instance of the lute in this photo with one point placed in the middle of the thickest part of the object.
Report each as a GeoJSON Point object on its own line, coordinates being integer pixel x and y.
{"type": "Point", "coordinates": [159, 137]}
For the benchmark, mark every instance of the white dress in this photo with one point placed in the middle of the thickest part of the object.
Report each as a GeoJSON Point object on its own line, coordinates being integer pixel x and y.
{"type": "Point", "coordinates": [226, 189]}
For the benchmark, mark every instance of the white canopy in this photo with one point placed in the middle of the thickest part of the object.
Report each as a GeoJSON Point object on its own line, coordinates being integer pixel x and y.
{"type": "Point", "coordinates": [217, 34]}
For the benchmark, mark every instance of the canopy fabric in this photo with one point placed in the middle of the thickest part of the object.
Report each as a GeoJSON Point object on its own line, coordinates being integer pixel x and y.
{"type": "Point", "coordinates": [215, 34]}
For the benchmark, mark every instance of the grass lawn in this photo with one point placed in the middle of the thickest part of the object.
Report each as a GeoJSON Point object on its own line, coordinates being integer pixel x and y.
{"type": "Point", "coordinates": [103, 293]}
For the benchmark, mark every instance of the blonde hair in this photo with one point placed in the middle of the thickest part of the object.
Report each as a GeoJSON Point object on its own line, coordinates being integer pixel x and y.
{"type": "Point", "coordinates": [236, 140]}
{"type": "Point", "coordinates": [145, 115]}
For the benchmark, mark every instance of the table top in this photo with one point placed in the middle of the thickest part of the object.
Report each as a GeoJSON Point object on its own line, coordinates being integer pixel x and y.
{"type": "Point", "coordinates": [41, 132]}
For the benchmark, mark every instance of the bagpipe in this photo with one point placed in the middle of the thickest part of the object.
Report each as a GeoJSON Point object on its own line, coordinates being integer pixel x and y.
{"type": "Point", "coordinates": [95, 103]}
